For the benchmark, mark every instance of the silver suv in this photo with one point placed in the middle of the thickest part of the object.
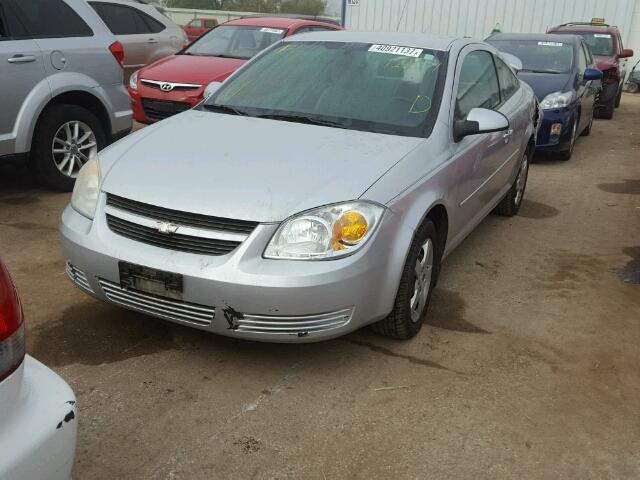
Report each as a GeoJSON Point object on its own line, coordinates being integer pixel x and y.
{"type": "Point", "coordinates": [61, 79]}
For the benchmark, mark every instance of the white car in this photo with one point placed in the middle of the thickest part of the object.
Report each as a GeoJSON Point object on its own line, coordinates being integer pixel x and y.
{"type": "Point", "coordinates": [38, 417]}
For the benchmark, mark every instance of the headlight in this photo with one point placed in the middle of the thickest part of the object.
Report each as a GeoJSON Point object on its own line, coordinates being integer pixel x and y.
{"type": "Point", "coordinates": [133, 80]}
{"type": "Point", "coordinates": [326, 232]}
{"type": "Point", "coordinates": [557, 100]}
{"type": "Point", "coordinates": [87, 188]}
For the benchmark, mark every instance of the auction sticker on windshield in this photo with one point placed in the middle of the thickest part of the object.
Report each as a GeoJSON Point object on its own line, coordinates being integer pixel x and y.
{"type": "Point", "coordinates": [550, 44]}
{"type": "Point", "coordinates": [271, 30]}
{"type": "Point", "coordinates": [602, 35]}
{"type": "Point", "coordinates": [396, 50]}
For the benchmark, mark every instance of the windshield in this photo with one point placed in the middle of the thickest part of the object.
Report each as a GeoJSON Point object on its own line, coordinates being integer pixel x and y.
{"type": "Point", "coordinates": [599, 43]}
{"type": "Point", "coordinates": [233, 41]}
{"type": "Point", "coordinates": [539, 56]}
{"type": "Point", "coordinates": [377, 88]}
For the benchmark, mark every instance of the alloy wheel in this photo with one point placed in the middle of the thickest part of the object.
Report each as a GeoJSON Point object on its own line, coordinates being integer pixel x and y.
{"type": "Point", "coordinates": [423, 271]}
{"type": "Point", "coordinates": [72, 146]}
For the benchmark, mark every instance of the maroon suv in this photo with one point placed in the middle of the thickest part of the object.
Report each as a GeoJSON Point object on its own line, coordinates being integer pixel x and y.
{"type": "Point", "coordinates": [605, 44]}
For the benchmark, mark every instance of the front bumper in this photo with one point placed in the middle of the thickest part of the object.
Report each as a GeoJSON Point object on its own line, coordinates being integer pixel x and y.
{"type": "Point", "coordinates": [38, 424]}
{"type": "Point", "coordinates": [545, 141]}
{"type": "Point", "coordinates": [241, 294]}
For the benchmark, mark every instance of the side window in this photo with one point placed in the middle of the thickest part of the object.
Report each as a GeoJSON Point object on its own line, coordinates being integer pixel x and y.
{"type": "Point", "coordinates": [582, 61]}
{"type": "Point", "coordinates": [210, 23]}
{"type": "Point", "coordinates": [195, 24]}
{"type": "Point", "coordinates": [120, 19]}
{"type": "Point", "coordinates": [509, 83]}
{"type": "Point", "coordinates": [4, 32]}
{"type": "Point", "coordinates": [478, 84]}
{"type": "Point", "coordinates": [153, 25]}
{"type": "Point", "coordinates": [51, 18]}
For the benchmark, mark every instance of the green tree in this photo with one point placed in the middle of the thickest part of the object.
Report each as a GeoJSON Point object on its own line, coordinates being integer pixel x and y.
{"type": "Point", "coordinates": [303, 7]}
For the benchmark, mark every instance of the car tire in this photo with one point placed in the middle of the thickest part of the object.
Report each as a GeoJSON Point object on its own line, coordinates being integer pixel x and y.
{"type": "Point", "coordinates": [567, 154]}
{"type": "Point", "coordinates": [587, 131]}
{"type": "Point", "coordinates": [633, 87]}
{"type": "Point", "coordinates": [49, 168]}
{"type": "Point", "coordinates": [618, 98]}
{"type": "Point", "coordinates": [606, 111]}
{"type": "Point", "coordinates": [510, 204]}
{"type": "Point", "coordinates": [414, 295]}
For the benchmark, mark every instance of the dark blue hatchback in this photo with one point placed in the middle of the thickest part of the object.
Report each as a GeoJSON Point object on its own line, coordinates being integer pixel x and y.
{"type": "Point", "coordinates": [563, 75]}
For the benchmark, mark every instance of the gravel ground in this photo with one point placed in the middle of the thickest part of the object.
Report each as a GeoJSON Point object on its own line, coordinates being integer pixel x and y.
{"type": "Point", "coordinates": [528, 367]}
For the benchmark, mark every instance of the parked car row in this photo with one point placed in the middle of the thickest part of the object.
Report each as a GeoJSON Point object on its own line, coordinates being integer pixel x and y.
{"type": "Point", "coordinates": [577, 72]}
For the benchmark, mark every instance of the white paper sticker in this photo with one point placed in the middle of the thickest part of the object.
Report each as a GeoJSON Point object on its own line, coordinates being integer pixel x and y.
{"type": "Point", "coordinates": [396, 50]}
{"type": "Point", "coordinates": [550, 44]}
{"type": "Point", "coordinates": [602, 35]}
{"type": "Point", "coordinates": [271, 30]}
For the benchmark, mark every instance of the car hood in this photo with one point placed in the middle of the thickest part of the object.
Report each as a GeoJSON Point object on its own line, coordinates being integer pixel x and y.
{"type": "Point", "coordinates": [604, 63]}
{"type": "Point", "coordinates": [248, 168]}
{"type": "Point", "coordinates": [545, 83]}
{"type": "Point", "coordinates": [191, 69]}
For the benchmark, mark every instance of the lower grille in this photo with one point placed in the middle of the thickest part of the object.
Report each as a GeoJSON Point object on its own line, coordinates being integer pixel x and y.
{"type": "Point", "coordinates": [163, 307]}
{"type": "Point", "coordinates": [161, 109]}
{"type": "Point", "coordinates": [176, 241]}
{"type": "Point", "coordinates": [298, 325]}
{"type": "Point", "coordinates": [78, 277]}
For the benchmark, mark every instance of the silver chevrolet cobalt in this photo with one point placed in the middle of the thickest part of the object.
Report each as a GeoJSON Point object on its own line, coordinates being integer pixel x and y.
{"type": "Point", "coordinates": [314, 192]}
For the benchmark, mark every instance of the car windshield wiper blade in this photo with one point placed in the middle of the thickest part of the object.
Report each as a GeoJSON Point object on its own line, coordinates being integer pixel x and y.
{"type": "Point", "coordinates": [230, 56]}
{"type": "Point", "coordinates": [225, 109]}
{"type": "Point", "coordinates": [538, 71]}
{"type": "Point", "coordinates": [302, 119]}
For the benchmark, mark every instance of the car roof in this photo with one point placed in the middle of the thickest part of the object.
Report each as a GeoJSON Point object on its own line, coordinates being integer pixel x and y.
{"type": "Point", "coordinates": [585, 28]}
{"type": "Point", "coordinates": [275, 22]}
{"type": "Point", "coordinates": [432, 42]}
{"type": "Point", "coordinates": [542, 37]}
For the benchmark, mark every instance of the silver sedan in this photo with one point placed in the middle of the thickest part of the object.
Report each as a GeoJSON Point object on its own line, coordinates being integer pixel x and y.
{"type": "Point", "coordinates": [314, 192]}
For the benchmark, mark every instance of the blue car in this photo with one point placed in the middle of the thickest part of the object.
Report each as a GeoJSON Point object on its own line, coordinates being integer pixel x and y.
{"type": "Point", "coordinates": [563, 75]}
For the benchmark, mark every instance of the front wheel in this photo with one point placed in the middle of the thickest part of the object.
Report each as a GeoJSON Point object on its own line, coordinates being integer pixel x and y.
{"type": "Point", "coordinates": [633, 87]}
{"type": "Point", "coordinates": [568, 153]}
{"type": "Point", "coordinates": [65, 138]}
{"type": "Point", "coordinates": [418, 280]}
{"type": "Point", "coordinates": [510, 204]}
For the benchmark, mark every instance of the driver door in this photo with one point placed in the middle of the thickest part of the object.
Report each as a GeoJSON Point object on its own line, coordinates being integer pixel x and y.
{"type": "Point", "coordinates": [478, 157]}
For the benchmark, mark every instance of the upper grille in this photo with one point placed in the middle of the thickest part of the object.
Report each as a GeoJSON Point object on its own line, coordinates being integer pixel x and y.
{"type": "Point", "coordinates": [174, 86]}
{"type": "Point", "coordinates": [182, 218]}
{"type": "Point", "coordinates": [175, 241]}
{"type": "Point", "coordinates": [161, 109]}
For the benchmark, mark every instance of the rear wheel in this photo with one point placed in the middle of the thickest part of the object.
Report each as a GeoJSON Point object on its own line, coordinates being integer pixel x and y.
{"type": "Point", "coordinates": [65, 137]}
{"type": "Point", "coordinates": [416, 285]}
{"type": "Point", "coordinates": [510, 204]}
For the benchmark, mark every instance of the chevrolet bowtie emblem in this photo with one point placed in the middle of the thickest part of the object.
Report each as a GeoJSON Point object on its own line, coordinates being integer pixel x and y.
{"type": "Point", "coordinates": [166, 228]}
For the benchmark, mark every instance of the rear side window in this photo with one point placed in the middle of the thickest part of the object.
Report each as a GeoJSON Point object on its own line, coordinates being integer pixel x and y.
{"type": "Point", "coordinates": [51, 19]}
{"type": "Point", "coordinates": [478, 84]}
{"type": "Point", "coordinates": [509, 83]}
{"type": "Point", "coordinates": [123, 20]}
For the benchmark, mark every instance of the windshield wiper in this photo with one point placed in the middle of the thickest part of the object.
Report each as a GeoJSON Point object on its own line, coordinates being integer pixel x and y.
{"type": "Point", "coordinates": [225, 109]}
{"type": "Point", "coordinates": [302, 119]}
{"type": "Point", "coordinates": [231, 56]}
{"type": "Point", "coordinates": [538, 71]}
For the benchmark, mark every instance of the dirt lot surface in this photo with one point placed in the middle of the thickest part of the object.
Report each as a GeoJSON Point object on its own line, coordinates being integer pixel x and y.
{"type": "Point", "coordinates": [528, 367]}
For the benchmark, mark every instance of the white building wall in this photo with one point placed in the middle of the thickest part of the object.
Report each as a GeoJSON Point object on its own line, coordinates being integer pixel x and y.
{"type": "Point", "coordinates": [476, 18]}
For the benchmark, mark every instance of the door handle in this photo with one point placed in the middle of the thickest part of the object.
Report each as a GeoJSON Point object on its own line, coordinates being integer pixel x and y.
{"type": "Point", "coordinates": [152, 40]}
{"type": "Point", "coordinates": [20, 58]}
{"type": "Point", "coordinates": [507, 135]}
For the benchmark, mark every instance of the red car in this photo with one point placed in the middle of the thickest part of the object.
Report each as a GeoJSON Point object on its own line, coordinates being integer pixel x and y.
{"type": "Point", "coordinates": [198, 27]}
{"type": "Point", "coordinates": [177, 83]}
{"type": "Point", "coordinates": [605, 44]}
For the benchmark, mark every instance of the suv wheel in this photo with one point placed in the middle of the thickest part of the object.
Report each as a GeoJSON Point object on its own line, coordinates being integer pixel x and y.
{"type": "Point", "coordinates": [606, 111]}
{"type": "Point", "coordinates": [416, 284]}
{"type": "Point", "coordinates": [64, 139]}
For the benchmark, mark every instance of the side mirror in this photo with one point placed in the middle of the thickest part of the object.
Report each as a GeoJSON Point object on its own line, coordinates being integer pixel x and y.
{"type": "Point", "coordinates": [626, 53]}
{"type": "Point", "coordinates": [513, 61]}
{"type": "Point", "coordinates": [211, 89]}
{"type": "Point", "coordinates": [592, 74]}
{"type": "Point", "coordinates": [479, 120]}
